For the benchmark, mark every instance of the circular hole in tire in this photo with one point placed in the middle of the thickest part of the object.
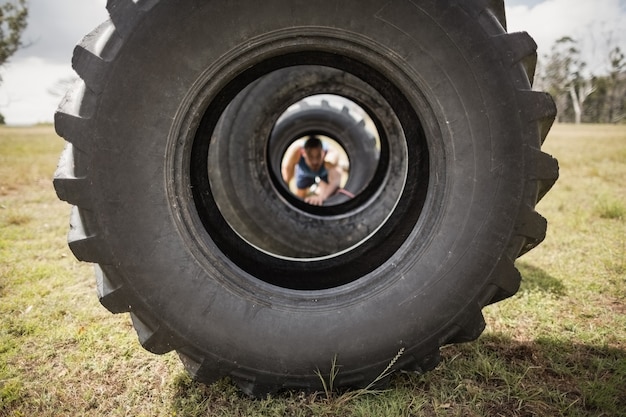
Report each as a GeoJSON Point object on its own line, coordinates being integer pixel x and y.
{"type": "Point", "coordinates": [333, 127]}
{"type": "Point", "coordinates": [248, 212]}
{"type": "Point", "coordinates": [304, 181]}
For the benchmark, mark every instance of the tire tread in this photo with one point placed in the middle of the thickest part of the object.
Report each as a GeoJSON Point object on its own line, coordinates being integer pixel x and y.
{"type": "Point", "coordinates": [84, 246]}
{"type": "Point", "coordinates": [154, 337]}
{"type": "Point", "coordinates": [110, 295]}
{"type": "Point", "coordinates": [496, 8]}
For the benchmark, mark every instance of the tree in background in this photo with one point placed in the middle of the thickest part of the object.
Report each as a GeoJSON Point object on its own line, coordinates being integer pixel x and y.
{"type": "Point", "coordinates": [616, 96]}
{"type": "Point", "coordinates": [563, 76]}
{"type": "Point", "coordinates": [13, 15]}
{"type": "Point", "coordinates": [62, 86]}
{"type": "Point", "coordinates": [607, 104]}
{"type": "Point", "coordinates": [581, 96]}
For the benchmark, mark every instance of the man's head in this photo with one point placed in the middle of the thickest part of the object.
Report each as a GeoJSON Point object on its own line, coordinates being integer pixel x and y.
{"type": "Point", "coordinates": [314, 153]}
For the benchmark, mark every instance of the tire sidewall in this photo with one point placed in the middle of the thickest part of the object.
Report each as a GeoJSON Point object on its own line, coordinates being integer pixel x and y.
{"type": "Point", "coordinates": [183, 277]}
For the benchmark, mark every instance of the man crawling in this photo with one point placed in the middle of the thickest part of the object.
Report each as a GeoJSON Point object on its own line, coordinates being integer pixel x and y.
{"type": "Point", "coordinates": [311, 166]}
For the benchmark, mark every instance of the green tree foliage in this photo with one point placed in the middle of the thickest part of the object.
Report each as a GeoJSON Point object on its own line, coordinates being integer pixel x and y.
{"type": "Point", "coordinates": [579, 95]}
{"type": "Point", "coordinates": [565, 79]}
{"type": "Point", "coordinates": [616, 95]}
{"type": "Point", "coordinates": [13, 15]}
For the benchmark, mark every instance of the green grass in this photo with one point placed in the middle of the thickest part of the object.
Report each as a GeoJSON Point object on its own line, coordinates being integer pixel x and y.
{"type": "Point", "coordinates": [557, 348]}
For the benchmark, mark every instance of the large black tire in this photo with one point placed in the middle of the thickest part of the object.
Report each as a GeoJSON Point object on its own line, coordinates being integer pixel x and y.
{"type": "Point", "coordinates": [438, 230]}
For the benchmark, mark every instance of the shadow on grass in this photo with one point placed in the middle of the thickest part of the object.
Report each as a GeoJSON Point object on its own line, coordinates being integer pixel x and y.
{"type": "Point", "coordinates": [495, 375]}
{"type": "Point", "coordinates": [536, 279]}
{"type": "Point", "coordinates": [543, 377]}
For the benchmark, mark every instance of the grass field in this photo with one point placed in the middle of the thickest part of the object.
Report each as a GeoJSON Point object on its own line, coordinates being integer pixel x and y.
{"type": "Point", "coordinates": [557, 348]}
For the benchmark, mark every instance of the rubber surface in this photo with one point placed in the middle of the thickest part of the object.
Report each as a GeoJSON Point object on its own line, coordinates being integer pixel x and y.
{"type": "Point", "coordinates": [448, 212]}
{"type": "Point", "coordinates": [243, 186]}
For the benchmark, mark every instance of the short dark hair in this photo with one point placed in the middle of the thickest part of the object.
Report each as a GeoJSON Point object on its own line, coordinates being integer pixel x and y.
{"type": "Point", "coordinates": [313, 142]}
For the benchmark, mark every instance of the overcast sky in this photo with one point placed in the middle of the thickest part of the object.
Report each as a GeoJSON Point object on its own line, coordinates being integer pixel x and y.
{"type": "Point", "coordinates": [56, 26]}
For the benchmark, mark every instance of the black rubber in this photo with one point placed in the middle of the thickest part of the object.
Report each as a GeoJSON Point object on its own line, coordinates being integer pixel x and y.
{"type": "Point", "coordinates": [406, 268]}
{"type": "Point", "coordinates": [337, 123]}
{"type": "Point", "coordinates": [245, 172]}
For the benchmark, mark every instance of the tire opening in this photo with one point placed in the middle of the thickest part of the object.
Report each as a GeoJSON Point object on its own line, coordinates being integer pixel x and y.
{"type": "Point", "coordinates": [350, 147]}
{"type": "Point", "coordinates": [334, 156]}
{"type": "Point", "coordinates": [249, 212]}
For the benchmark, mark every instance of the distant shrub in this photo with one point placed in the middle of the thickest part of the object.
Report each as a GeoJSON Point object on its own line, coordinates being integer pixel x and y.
{"type": "Point", "coordinates": [609, 208]}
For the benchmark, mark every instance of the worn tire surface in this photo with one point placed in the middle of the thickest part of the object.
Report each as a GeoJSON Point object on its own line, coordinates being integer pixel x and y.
{"type": "Point", "coordinates": [243, 172]}
{"type": "Point", "coordinates": [447, 213]}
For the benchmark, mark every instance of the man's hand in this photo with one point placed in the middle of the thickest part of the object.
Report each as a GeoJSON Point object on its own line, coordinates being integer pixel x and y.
{"type": "Point", "coordinates": [314, 200]}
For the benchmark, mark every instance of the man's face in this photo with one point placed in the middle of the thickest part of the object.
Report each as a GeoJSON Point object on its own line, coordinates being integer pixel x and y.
{"type": "Point", "coordinates": [314, 158]}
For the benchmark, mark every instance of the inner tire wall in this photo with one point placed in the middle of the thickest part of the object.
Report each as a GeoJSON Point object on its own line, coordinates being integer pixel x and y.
{"type": "Point", "coordinates": [246, 152]}
{"type": "Point", "coordinates": [357, 233]}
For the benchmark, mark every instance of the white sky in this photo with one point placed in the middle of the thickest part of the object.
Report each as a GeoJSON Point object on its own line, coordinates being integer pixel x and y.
{"type": "Point", "coordinates": [56, 26]}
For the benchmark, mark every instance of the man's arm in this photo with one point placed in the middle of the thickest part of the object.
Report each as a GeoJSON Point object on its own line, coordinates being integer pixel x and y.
{"type": "Point", "coordinates": [289, 168]}
{"type": "Point", "coordinates": [325, 190]}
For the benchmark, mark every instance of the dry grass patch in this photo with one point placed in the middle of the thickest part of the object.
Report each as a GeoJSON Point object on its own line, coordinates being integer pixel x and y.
{"type": "Point", "coordinates": [557, 348]}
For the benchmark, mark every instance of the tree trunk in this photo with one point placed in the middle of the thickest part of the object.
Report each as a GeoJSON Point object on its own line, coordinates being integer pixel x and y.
{"type": "Point", "coordinates": [579, 95]}
{"type": "Point", "coordinates": [576, 104]}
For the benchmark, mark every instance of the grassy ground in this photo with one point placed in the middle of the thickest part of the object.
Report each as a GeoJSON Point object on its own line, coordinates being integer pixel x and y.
{"type": "Point", "coordinates": [558, 348]}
